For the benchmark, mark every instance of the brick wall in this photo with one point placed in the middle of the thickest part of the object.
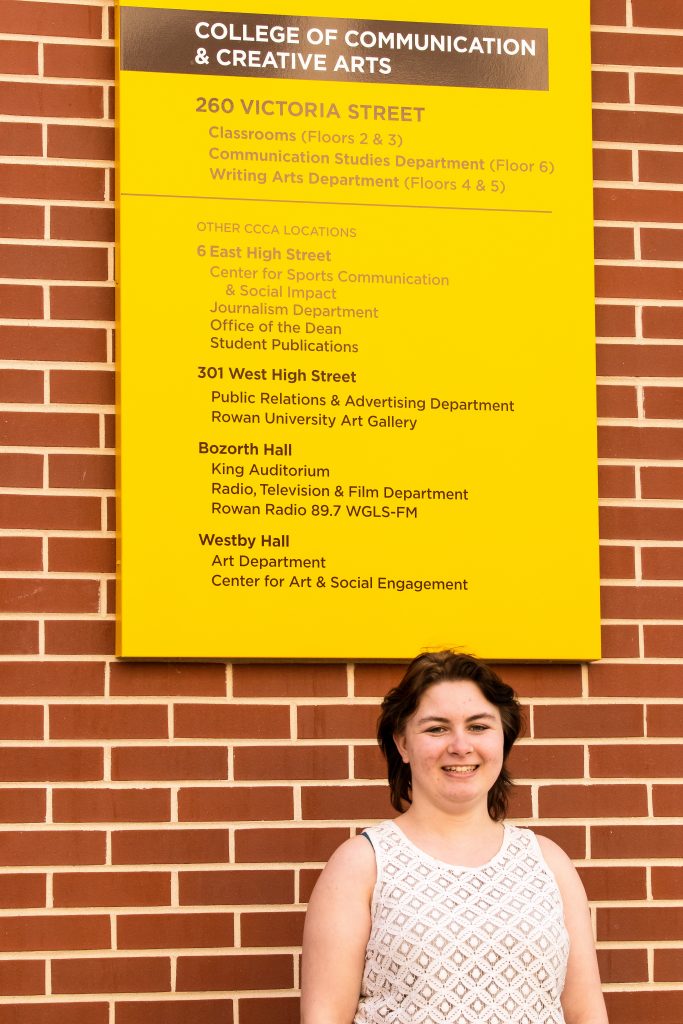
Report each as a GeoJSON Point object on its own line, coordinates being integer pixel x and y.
{"type": "Point", "coordinates": [163, 823]}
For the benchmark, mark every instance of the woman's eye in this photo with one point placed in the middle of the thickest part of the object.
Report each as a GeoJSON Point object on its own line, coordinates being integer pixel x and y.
{"type": "Point", "coordinates": [436, 729]}
{"type": "Point", "coordinates": [478, 728]}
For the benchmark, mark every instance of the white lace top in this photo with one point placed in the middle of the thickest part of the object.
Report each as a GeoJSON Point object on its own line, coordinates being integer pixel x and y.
{"type": "Point", "coordinates": [458, 945]}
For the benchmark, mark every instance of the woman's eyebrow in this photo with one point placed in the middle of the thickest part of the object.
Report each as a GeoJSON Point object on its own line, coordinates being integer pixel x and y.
{"type": "Point", "coordinates": [442, 721]}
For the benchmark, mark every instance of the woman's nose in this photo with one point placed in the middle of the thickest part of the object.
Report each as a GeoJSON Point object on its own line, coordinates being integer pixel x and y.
{"type": "Point", "coordinates": [460, 743]}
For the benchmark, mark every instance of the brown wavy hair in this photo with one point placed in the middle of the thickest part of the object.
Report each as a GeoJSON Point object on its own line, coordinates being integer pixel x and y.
{"type": "Point", "coordinates": [400, 703]}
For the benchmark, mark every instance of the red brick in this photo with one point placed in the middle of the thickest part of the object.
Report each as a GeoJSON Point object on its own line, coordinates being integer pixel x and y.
{"type": "Point", "coordinates": [610, 87]}
{"type": "Point", "coordinates": [614, 883]}
{"type": "Point", "coordinates": [543, 762]}
{"type": "Point", "coordinates": [82, 554]}
{"type": "Point", "coordinates": [56, 429]}
{"type": "Point", "coordinates": [53, 848]}
{"type": "Point", "coordinates": [82, 223]}
{"type": "Point", "coordinates": [640, 442]}
{"type": "Point", "coordinates": [608, 12]}
{"type": "Point", "coordinates": [255, 763]}
{"type": "Point", "coordinates": [121, 721]}
{"type": "Point", "coordinates": [571, 838]}
{"type": "Point", "coordinates": [663, 403]}
{"type": "Point", "coordinates": [642, 602]}
{"type": "Point", "coordinates": [18, 57]}
{"type": "Point", "coordinates": [73, 931]}
{"type": "Point", "coordinates": [659, 90]}
{"type": "Point", "coordinates": [614, 243]}
{"type": "Point", "coordinates": [69, 61]}
{"type": "Point", "coordinates": [667, 800]}
{"type": "Point", "coordinates": [640, 524]}
{"type": "Point", "coordinates": [369, 763]}
{"type": "Point", "coordinates": [22, 805]}
{"type": "Point", "coordinates": [620, 641]}
{"type": "Point", "coordinates": [663, 641]}
{"type": "Point", "coordinates": [661, 244]}
{"type": "Point", "coordinates": [652, 841]}
{"type": "Point", "coordinates": [57, 764]}
{"type": "Point", "coordinates": [138, 679]}
{"type": "Point", "coordinates": [663, 14]}
{"type": "Point", "coordinates": [357, 721]}
{"type": "Point", "coordinates": [645, 126]}
{"type": "Point", "coordinates": [592, 801]}
{"type": "Point", "coordinates": [17, 553]}
{"type": "Point", "coordinates": [640, 360]}
{"type": "Point", "coordinates": [376, 680]}
{"type": "Point", "coordinates": [636, 50]}
{"type": "Point", "coordinates": [21, 722]}
{"type": "Point", "coordinates": [18, 638]}
{"type": "Point", "coordinates": [614, 322]}
{"type": "Point", "coordinates": [617, 563]}
{"type": "Point", "coordinates": [661, 167]}
{"type": "Point", "coordinates": [33, 595]}
{"type": "Point", "coordinates": [166, 931]}
{"type": "Point", "coordinates": [273, 929]}
{"type": "Point", "coordinates": [520, 803]}
{"type": "Point", "coordinates": [652, 761]}
{"type": "Point", "coordinates": [80, 142]}
{"type": "Point", "coordinates": [661, 481]}
{"type": "Point", "coordinates": [66, 344]}
{"type": "Point", "coordinates": [663, 323]}
{"type": "Point", "coordinates": [87, 303]}
{"type": "Point", "coordinates": [634, 680]}
{"type": "Point", "coordinates": [668, 965]}
{"type": "Point", "coordinates": [345, 802]}
{"type": "Point", "coordinates": [21, 221]}
{"type": "Point", "coordinates": [54, 1013]}
{"type": "Point", "coordinates": [21, 470]}
{"type": "Point", "coordinates": [56, 262]}
{"type": "Point", "coordinates": [133, 763]}
{"type": "Point", "coordinates": [22, 891]}
{"type": "Point", "coordinates": [52, 679]}
{"type": "Point", "coordinates": [234, 721]}
{"type": "Point", "coordinates": [237, 972]}
{"type": "Point", "coordinates": [308, 878]}
{"type": "Point", "coordinates": [176, 1011]}
{"type": "Point", "coordinates": [50, 19]}
{"type": "Point", "coordinates": [618, 282]}
{"type": "Point", "coordinates": [112, 889]}
{"type": "Point", "coordinates": [289, 680]}
{"type": "Point", "coordinates": [542, 680]}
{"type": "Point", "coordinates": [230, 803]}
{"type": "Point", "coordinates": [283, 1009]}
{"type": "Point", "coordinates": [612, 164]}
{"type": "Point", "coordinates": [37, 99]}
{"type": "Point", "coordinates": [21, 385]}
{"type": "Point", "coordinates": [70, 636]}
{"type": "Point", "coordinates": [20, 139]}
{"type": "Point", "coordinates": [617, 400]}
{"type": "Point", "coordinates": [22, 978]}
{"type": "Point", "coordinates": [662, 563]}
{"type": "Point", "coordinates": [639, 923]}
{"type": "Point", "coordinates": [111, 804]}
{"type": "Point", "coordinates": [665, 720]}
{"type": "Point", "coordinates": [235, 888]}
{"type": "Point", "coordinates": [638, 204]}
{"type": "Point", "coordinates": [82, 472]}
{"type": "Point", "coordinates": [19, 301]}
{"type": "Point", "coordinates": [111, 974]}
{"type": "Point", "coordinates": [667, 883]}
{"type": "Point", "coordinates": [270, 845]}
{"type": "Point", "coordinates": [622, 965]}
{"type": "Point", "coordinates": [170, 846]}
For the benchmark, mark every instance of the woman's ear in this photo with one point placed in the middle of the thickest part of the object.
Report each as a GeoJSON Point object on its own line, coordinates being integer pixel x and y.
{"type": "Point", "coordinates": [400, 742]}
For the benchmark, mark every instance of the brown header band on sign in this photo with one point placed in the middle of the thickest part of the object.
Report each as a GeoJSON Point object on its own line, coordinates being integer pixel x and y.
{"type": "Point", "coordinates": [333, 49]}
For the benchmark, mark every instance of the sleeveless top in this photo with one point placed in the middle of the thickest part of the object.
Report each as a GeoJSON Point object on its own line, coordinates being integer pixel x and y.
{"type": "Point", "coordinates": [460, 945]}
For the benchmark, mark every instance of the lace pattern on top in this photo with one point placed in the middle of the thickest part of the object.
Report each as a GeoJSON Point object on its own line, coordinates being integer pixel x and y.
{"type": "Point", "coordinates": [458, 945]}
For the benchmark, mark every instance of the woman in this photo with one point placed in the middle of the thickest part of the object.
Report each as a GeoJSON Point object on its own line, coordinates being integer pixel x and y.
{"type": "Point", "coordinates": [446, 915]}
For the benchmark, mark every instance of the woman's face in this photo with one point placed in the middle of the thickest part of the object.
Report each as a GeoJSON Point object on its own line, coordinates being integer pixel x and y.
{"type": "Point", "coordinates": [453, 744]}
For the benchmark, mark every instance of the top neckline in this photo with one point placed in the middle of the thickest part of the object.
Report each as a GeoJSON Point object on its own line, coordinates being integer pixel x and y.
{"type": "Point", "coordinates": [507, 831]}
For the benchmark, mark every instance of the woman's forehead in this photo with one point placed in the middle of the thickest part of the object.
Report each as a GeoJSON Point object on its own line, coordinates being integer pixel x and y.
{"type": "Point", "coordinates": [455, 697]}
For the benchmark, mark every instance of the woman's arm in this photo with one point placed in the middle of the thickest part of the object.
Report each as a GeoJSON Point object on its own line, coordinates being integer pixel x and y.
{"type": "Point", "coordinates": [582, 999]}
{"type": "Point", "coordinates": [336, 935]}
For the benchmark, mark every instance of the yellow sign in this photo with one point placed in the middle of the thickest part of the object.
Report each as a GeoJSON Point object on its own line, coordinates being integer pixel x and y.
{"type": "Point", "coordinates": [356, 331]}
